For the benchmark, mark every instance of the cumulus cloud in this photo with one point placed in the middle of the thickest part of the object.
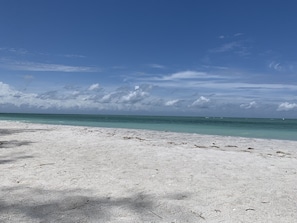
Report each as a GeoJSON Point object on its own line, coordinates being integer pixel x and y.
{"type": "Point", "coordinates": [69, 98]}
{"type": "Point", "coordinates": [139, 93]}
{"type": "Point", "coordinates": [127, 95]}
{"type": "Point", "coordinates": [128, 98]}
{"type": "Point", "coordinates": [4, 89]}
{"type": "Point", "coordinates": [8, 95]}
{"type": "Point", "coordinates": [133, 96]}
{"type": "Point", "coordinates": [286, 106]}
{"type": "Point", "coordinates": [250, 105]}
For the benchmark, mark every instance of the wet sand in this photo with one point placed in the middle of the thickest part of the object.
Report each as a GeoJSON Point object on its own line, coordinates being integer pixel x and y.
{"type": "Point", "coordinates": [81, 174]}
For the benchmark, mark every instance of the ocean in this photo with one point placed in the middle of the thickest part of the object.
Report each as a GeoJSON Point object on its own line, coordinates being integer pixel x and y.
{"type": "Point", "coordinates": [285, 129]}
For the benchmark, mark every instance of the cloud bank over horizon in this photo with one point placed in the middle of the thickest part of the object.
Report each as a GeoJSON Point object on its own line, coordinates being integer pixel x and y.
{"type": "Point", "coordinates": [134, 99]}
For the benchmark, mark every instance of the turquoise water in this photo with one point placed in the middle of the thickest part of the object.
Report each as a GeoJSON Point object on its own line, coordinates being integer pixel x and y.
{"type": "Point", "coordinates": [245, 127]}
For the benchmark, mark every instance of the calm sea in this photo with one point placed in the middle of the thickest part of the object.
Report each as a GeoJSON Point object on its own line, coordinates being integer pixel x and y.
{"type": "Point", "coordinates": [245, 127]}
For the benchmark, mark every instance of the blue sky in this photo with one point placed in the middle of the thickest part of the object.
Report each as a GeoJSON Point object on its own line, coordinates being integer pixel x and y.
{"type": "Point", "coordinates": [165, 57]}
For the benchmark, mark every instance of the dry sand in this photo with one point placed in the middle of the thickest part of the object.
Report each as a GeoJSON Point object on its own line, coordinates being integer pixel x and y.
{"type": "Point", "coordinates": [78, 174]}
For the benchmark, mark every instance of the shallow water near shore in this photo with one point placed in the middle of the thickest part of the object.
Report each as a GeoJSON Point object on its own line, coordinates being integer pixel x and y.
{"type": "Point", "coordinates": [285, 129]}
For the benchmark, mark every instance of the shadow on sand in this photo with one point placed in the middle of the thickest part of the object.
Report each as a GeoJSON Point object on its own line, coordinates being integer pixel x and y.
{"type": "Point", "coordinates": [13, 156]}
{"type": "Point", "coordinates": [38, 205]}
{"type": "Point", "coordinates": [16, 131]}
{"type": "Point", "coordinates": [14, 145]}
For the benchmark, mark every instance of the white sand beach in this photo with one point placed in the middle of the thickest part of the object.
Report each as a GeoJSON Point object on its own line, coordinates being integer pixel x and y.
{"type": "Point", "coordinates": [81, 174]}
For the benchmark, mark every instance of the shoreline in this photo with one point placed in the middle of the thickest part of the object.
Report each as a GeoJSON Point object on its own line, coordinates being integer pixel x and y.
{"type": "Point", "coordinates": [238, 127]}
{"type": "Point", "coordinates": [141, 129]}
{"type": "Point", "coordinates": [57, 173]}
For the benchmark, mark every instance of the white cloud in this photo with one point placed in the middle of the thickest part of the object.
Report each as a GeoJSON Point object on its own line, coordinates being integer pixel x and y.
{"type": "Point", "coordinates": [28, 77]}
{"type": "Point", "coordinates": [126, 95]}
{"type": "Point", "coordinates": [134, 96]}
{"type": "Point", "coordinates": [94, 87]}
{"type": "Point", "coordinates": [275, 66]}
{"type": "Point", "coordinates": [183, 79]}
{"type": "Point", "coordinates": [32, 66]}
{"type": "Point", "coordinates": [185, 75]}
{"type": "Point", "coordinates": [225, 83]}
{"type": "Point", "coordinates": [158, 66]}
{"type": "Point", "coordinates": [131, 98]}
{"type": "Point", "coordinates": [236, 47]}
{"type": "Point", "coordinates": [250, 105]}
{"type": "Point", "coordinates": [4, 89]}
{"type": "Point", "coordinates": [227, 47]}
{"type": "Point", "coordinates": [228, 85]}
{"type": "Point", "coordinates": [230, 37]}
{"type": "Point", "coordinates": [201, 102]}
{"type": "Point", "coordinates": [172, 102]}
{"type": "Point", "coordinates": [238, 34]}
{"type": "Point", "coordinates": [107, 98]}
{"type": "Point", "coordinates": [73, 99]}
{"type": "Point", "coordinates": [9, 95]}
{"type": "Point", "coordinates": [74, 56]}
{"type": "Point", "coordinates": [286, 106]}
{"type": "Point", "coordinates": [118, 67]}
{"type": "Point", "coordinates": [19, 51]}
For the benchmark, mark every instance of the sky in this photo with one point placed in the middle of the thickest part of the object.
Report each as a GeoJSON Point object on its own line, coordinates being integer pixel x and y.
{"type": "Point", "coordinates": [150, 57]}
